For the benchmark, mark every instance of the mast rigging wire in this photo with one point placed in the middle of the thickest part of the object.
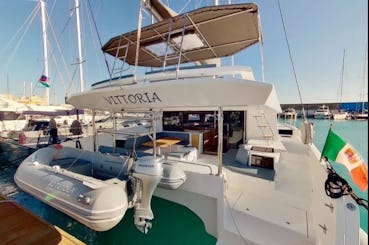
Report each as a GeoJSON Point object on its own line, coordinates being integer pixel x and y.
{"type": "Point", "coordinates": [61, 54]}
{"type": "Point", "coordinates": [293, 66]}
{"type": "Point", "coordinates": [23, 30]}
{"type": "Point", "coordinates": [98, 36]}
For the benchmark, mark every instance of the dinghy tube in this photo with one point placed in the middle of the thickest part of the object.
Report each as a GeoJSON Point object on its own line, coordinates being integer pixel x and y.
{"type": "Point", "coordinates": [96, 189]}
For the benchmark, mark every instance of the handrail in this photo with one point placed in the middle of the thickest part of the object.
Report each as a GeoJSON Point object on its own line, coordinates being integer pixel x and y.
{"type": "Point", "coordinates": [185, 72]}
{"type": "Point", "coordinates": [123, 133]}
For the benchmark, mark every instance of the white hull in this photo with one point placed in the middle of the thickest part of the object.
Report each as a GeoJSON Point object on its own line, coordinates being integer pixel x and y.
{"type": "Point", "coordinates": [234, 204]}
{"type": "Point", "coordinates": [323, 112]}
{"type": "Point", "coordinates": [174, 94]}
{"type": "Point", "coordinates": [97, 204]}
{"type": "Point", "coordinates": [363, 116]}
{"type": "Point", "coordinates": [340, 116]}
{"type": "Point", "coordinates": [84, 184]}
{"type": "Point", "coordinates": [289, 115]}
{"type": "Point", "coordinates": [322, 116]}
{"type": "Point", "coordinates": [7, 126]}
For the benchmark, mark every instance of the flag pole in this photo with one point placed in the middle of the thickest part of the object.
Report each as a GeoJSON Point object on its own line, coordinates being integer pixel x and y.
{"type": "Point", "coordinates": [321, 153]}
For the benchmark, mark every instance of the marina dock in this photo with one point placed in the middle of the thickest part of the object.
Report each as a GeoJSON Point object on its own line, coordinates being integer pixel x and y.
{"type": "Point", "coordinates": [19, 226]}
{"type": "Point", "coordinates": [310, 108]}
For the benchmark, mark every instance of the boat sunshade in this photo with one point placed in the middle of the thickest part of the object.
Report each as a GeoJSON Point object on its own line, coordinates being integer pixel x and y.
{"type": "Point", "coordinates": [205, 33]}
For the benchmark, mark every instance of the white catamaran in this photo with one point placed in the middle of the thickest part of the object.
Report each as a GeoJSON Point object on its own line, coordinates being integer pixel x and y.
{"type": "Point", "coordinates": [212, 143]}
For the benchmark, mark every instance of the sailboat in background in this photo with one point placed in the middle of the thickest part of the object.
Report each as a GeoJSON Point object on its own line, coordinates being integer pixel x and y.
{"type": "Point", "coordinates": [362, 113]}
{"type": "Point", "coordinates": [341, 114]}
{"type": "Point", "coordinates": [18, 114]}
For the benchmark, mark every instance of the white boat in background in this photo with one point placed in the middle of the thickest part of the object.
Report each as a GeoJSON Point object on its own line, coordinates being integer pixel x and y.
{"type": "Point", "coordinates": [363, 115]}
{"type": "Point", "coordinates": [36, 131]}
{"type": "Point", "coordinates": [249, 180]}
{"type": "Point", "coordinates": [11, 115]}
{"type": "Point", "coordinates": [289, 113]}
{"type": "Point", "coordinates": [322, 112]}
{"type": "Point", "coordinates": [341, 115]}
{"type": "Point", "coordinates": [23, 115]}
{"type": "Point", "coordinates": [16, 117]}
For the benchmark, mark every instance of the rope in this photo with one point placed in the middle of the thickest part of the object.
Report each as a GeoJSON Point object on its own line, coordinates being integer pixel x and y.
{"type": "Point", "coordinates": [58, 47]}
{"type": "Point", "coordinates": [98, 36]}
{"type": "Point", "coordinates": [20, 34]}
{"type": "Point", "coordinates": [336, 187]}
{"type": "Point", "coordinates": [233, 218]}
{"type": "Point", "coordinates": [293, 66]}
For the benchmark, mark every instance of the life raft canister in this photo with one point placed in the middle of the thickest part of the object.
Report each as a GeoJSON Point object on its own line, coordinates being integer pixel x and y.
{"type": "Point", "coordinates": [22, 139]}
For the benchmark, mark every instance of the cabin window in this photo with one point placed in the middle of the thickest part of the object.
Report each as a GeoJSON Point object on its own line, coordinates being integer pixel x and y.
{"type": "Point", "coordinates": [172, 121]}
{"type": "Point", "coordinates": [193, 117]}
{"type": "Point", "coordinates": [209, 117]}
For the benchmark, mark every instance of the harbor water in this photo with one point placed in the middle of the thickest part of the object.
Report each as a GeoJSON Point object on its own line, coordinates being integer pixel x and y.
{"type": "Point", "coordinates": [174, 218]}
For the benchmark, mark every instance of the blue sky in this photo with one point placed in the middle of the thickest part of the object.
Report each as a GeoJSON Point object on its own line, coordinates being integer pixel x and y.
{"type": "Point", "coordinates": [318, 33]}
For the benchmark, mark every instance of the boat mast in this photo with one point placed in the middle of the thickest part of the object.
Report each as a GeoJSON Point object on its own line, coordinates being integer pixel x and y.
{"type": "Point", "coordinates": [364, 78]}
{"type": "Point", "coordinates": [139, 24]}
{"type": "Point", "coordinates": [79, 59]}
{"type": "Point", "coordinates": [342, 72]}
{"type": "Point", "coordinates": [44, 41]}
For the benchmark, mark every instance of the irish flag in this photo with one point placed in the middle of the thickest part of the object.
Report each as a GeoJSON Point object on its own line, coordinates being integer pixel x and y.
{"type": "Point", "coordinates": [336, 149]}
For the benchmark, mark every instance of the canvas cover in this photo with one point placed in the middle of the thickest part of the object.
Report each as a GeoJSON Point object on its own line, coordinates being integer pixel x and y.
{"type": "Point", "coordinates": [206, 36]}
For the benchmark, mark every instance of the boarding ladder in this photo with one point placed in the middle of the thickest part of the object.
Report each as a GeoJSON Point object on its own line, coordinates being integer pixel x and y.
{"type": "Point", "coordinates": [263, 124]}
{"type": "Point", "coordinates": [118, 70]}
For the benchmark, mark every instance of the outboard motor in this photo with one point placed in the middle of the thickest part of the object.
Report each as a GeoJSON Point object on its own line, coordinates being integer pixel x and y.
{"type": "Point", "coordinates": [148, 171]}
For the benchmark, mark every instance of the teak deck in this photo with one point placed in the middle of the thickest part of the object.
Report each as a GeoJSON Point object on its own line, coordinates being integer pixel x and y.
{"type": "Point", "coordinates": [19, 226]}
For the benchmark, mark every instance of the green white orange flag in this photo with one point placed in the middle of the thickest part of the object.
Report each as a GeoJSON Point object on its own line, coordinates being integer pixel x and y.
{"type": "Point", "coordinates": [336, 149]}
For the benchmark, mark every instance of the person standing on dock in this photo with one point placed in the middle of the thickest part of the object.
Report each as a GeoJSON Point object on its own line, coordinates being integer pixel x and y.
{"type": "Point", "coordinates": [53, 131]}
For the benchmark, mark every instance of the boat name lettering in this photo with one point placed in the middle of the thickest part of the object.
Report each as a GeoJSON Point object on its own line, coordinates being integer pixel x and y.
{"type": "Point", "coordinates": [138, 98]}
{"type": "Point", "coordinates": [146, 166]}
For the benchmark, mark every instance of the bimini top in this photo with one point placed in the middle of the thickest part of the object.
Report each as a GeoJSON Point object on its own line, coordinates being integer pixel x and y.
{"type": "Point", "coordinates": [206, 35]}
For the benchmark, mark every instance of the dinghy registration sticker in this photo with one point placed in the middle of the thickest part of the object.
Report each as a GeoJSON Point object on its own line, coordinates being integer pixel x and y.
{"type": "Point", "coordinates": [132, 99]}
{"type": "Point", "coordinates": [61, 185]}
